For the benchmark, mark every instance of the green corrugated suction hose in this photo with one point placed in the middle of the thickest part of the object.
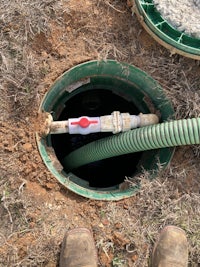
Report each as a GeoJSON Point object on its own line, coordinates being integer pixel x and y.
{"type": "Point", "coordinates": [167, 134]}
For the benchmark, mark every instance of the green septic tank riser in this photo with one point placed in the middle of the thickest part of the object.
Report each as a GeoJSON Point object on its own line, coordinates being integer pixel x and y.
{"type": "Point", "coordinates": [124, 81]}
{"type": "Point", "coordinates": [163, 32]}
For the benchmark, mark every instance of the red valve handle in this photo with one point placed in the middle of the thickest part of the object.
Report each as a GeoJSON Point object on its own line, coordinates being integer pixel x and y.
{"type": "Point", "coordinates": [83, 122]}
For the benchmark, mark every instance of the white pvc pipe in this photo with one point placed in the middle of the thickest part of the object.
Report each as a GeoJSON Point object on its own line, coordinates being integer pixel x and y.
{"type": "Point", "coordinates": [115, 123]}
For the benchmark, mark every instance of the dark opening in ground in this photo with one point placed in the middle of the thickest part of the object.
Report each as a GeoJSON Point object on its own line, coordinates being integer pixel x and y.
{"type": "Point", "coordinates": [96, 102]}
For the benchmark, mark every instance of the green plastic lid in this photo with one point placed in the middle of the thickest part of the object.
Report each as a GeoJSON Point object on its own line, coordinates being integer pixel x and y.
{"type": "Point", "coordinates": [164, 33]}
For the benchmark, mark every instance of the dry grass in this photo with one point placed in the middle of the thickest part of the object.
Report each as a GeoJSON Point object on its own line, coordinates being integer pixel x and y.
{"type": "Point", "coordinates": [22, 20]}
{"type": "Point", "coordinates": [158, 203]}
{"type": "Point", "coordinates": [31, 232]}
{"type": "Point", "coordinates": [181, 84]}
{"type": "Point", "coordinates": [21, 72]}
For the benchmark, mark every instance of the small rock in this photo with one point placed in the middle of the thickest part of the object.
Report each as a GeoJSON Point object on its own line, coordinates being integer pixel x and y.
{"type": "Point", "coordinates": [28, 147]}
{"type": "Point", "coordinates": [105, 222]}
{"type": "Point", "coordinates": [50, 185]}
{"type": "Point", "coordinates": [134, 257]}
{"type": "Point", "coordinates": [118, 225]}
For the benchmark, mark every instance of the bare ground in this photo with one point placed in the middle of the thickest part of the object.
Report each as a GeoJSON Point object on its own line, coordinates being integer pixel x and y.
{"type": "Point", "coordinates": [40, 40]}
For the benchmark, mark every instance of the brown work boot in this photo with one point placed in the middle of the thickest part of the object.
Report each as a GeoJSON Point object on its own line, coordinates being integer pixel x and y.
{"type": "Point", "coordinates": [78, 249]}
{"type": "Point", "coordinates": [171, 249]}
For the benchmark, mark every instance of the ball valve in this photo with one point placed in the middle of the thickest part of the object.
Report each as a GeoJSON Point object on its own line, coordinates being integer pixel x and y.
{"type": "Point", "coordinates": [115, 123]}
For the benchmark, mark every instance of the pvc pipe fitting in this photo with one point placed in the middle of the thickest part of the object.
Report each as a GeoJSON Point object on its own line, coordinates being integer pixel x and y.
{"type": "Point", "coordinates": [121, 122]}
{"type": "Point", "coordinates": [84, 125]}
{"type": "Point", "coordinates": [116, 122]}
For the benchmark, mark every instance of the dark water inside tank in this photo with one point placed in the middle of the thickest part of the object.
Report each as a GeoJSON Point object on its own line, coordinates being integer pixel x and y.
{"type": "Point", "coordinates": [97, 102]}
